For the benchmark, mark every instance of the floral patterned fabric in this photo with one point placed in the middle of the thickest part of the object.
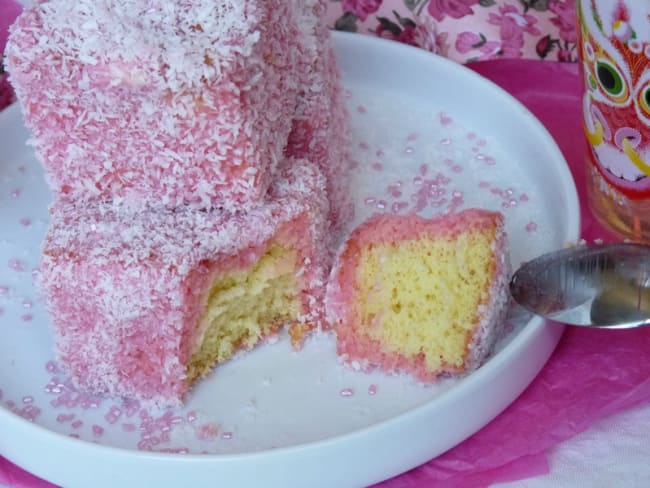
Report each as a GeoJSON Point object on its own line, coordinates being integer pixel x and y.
{"type": "Point", "coordinates": [467, 30]}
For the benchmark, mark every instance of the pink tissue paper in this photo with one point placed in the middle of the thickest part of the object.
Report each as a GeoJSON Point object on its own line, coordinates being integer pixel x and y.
{"type": "Point", "coordinates": [9, 10]}
{"type": "Point", "coordinates": [592, 373]}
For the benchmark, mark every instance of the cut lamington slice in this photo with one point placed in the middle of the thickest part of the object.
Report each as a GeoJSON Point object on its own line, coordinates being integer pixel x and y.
{"type": "Point", "coordinates": [145, 303]}
{"type": "Point", "coordinates": [421, 296]}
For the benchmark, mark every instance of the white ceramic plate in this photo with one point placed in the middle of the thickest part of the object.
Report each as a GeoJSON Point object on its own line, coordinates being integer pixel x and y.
{"type": "Point", "coordinates": [429, 135]}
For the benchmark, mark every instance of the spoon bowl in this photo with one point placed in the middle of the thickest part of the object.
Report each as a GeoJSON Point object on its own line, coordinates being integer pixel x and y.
{"type": "Point", "coordinates": [605, 286]}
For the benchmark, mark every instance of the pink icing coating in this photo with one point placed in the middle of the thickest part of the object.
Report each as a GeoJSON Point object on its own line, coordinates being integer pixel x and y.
{"type": "Point", "coordinates": [158, 103]}
{"type": "Point", "coordinates": [125, 289]}
{"type": "Point", "coordinates": [356, 348]}
{"type": "Point", "coordinates": [320, 126]}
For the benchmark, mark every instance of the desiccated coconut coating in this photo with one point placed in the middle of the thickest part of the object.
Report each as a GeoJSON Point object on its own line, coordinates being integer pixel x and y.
{"type": "Point", "coordinates": [158, 103]}
{"type": "Point", "coordinates": [421, 296]}
{"type": "Point", "coordinates": [144, 303]}
{"type": "Point", "coordinates": [320, 130]}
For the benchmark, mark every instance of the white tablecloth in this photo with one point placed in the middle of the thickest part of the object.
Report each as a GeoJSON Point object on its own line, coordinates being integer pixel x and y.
{"type": "Point", "coordinates": [613, 453]}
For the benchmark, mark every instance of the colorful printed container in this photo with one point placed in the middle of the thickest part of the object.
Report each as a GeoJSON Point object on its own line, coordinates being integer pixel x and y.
{"type": "Point", "coordinates": [615, 54]}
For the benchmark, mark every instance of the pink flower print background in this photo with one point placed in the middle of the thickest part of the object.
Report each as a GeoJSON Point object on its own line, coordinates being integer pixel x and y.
{"type": "Point", "coordinates": [467, 30]}
{"type": "Point", "coordinates": [457, 9]}
{"type": "Point", "coordinates": [361, 8]}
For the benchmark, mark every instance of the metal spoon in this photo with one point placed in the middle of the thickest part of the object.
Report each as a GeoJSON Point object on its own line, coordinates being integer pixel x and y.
{"type": "Point", "coordinates": [606, 286]}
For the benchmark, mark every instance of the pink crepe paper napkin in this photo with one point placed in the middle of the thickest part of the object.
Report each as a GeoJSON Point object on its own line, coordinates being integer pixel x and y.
{"type": "Point", "coordinates": [592, 373]}
{"type": "Point", "coordinates": [12, 475]}
{"type": "Point", "coordinates": [9, 10]}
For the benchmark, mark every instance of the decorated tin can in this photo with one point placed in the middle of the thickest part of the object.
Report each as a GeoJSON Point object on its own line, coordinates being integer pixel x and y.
{"type": "Point", "coordinates": [614, 40]}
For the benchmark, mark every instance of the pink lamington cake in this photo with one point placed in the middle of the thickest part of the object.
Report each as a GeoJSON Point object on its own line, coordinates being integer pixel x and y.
{"type": "Point", "coordinates": [158, 103]}
{"type": "Point", "coordinates": [421, 296]}
{"type": "Point", "coordinates": [320, 126]}
{"type": "Point", "coordinates": [143, 303]}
